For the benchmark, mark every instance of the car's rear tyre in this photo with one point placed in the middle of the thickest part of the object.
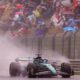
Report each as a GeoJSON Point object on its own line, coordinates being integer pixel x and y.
{"type": "Point", "coordinates": [31, 71]}
{"type": "Point", "coordinates": [66, 68]}
{"type": "Point", "coordinates": [14, 69]}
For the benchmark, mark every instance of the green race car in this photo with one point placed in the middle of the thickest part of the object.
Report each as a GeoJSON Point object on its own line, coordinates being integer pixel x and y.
{"type": "Point", "coordinates": [40, 67]}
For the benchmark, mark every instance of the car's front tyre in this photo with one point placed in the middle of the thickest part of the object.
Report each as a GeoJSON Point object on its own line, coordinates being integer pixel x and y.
{"type": "Point", "coordinates": [31, 71]}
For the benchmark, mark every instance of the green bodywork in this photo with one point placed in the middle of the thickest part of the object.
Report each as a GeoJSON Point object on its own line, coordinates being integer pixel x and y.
{"type": "Point", "coordinates": [50, 67]}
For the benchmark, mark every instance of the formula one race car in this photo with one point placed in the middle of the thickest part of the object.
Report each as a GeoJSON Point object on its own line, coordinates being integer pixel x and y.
{"type": "Point", "coordinates": [40, 67]}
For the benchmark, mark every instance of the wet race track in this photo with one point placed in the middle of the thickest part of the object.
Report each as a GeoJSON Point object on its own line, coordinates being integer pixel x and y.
{"type": "Point", "coordinates": [9, 52]}
{"type": "Point", "coordinates": [76, 77]}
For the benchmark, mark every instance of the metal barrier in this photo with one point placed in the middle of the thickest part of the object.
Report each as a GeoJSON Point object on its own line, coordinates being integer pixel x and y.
{"type": "Point", "coordinates": [65, 43]}
{"type": "Point", "coordinates": [76, 65]}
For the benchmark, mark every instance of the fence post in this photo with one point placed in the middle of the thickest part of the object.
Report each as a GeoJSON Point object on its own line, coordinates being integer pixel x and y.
{"type": "Point", "coordinates": [69, 45]}
{"type": "Point", "coordinates": [74, 44]}
{"type": "Point", "coordinates": [63, 42]}
{"type": "Point", "coordinates": [53, 42]}
{"type": "Point", "coordinates": [39, 46]}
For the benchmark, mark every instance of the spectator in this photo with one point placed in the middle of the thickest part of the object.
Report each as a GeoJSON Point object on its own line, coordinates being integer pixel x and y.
{"type": "Point", "coordinates": [77, 10]}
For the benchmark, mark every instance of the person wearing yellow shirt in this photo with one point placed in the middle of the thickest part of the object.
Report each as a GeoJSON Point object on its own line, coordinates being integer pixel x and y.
{"type": "Point", "coordinates": [37, 12]}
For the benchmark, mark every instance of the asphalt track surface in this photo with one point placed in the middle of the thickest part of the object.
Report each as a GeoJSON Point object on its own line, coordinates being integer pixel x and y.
{"type": "Point", "coordinates": [76, 77]}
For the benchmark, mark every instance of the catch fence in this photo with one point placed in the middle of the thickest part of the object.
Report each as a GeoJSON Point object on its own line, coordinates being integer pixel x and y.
{"type": "Point", "coordinates": [65, 43]}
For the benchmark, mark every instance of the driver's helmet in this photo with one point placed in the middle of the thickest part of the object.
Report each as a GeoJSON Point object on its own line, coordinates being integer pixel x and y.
{"type": "Point", "coordinates": [38, 59]}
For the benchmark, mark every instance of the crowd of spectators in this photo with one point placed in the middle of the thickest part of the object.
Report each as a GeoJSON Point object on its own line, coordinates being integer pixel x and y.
{"type": "Point", "coordinates": [41, 17]}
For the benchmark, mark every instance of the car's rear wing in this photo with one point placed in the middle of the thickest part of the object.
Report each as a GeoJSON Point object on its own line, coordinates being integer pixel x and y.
{"type": "Point", "coordinates": [24, 59]}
